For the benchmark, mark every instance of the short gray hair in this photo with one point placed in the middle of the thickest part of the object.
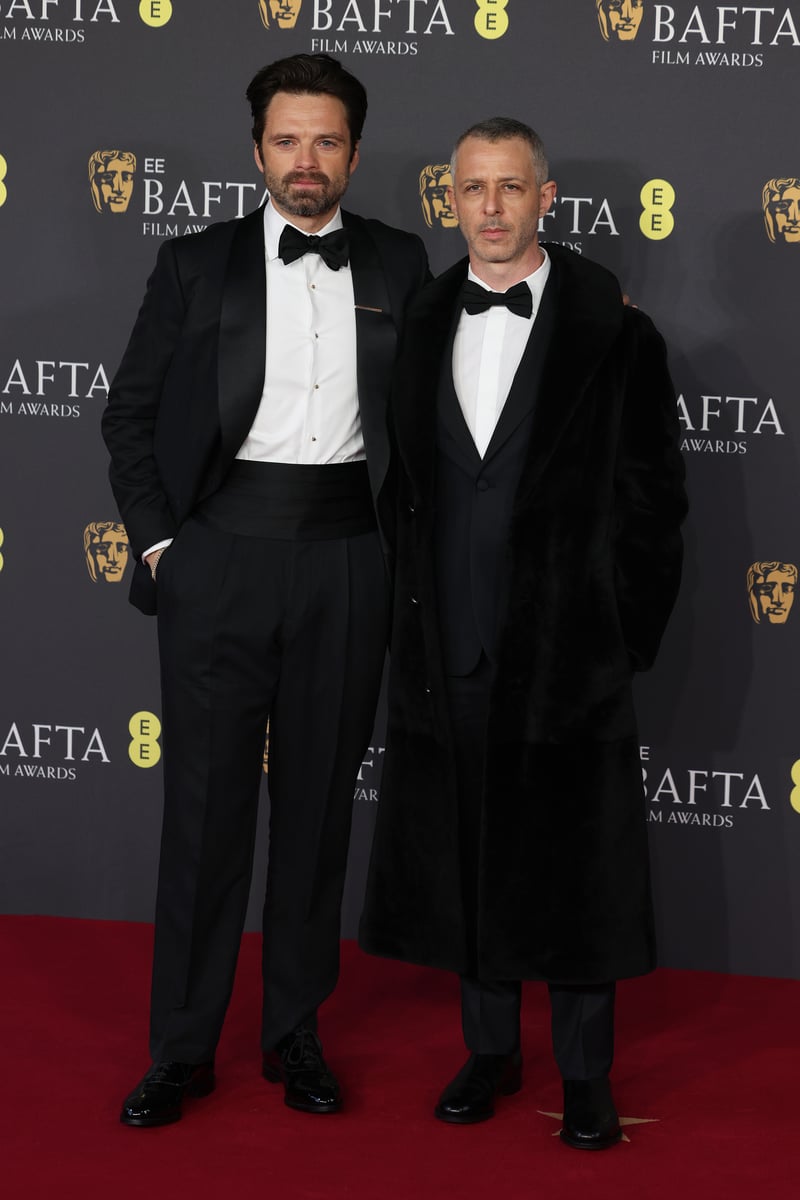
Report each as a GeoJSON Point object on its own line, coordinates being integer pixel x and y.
{"type": "Point", "coordinates": [503, 129]}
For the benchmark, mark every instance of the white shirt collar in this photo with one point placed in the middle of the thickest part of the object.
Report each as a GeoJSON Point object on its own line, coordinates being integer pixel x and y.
{"type": "Point", "coordinates": [535, 281]}
{"type": "Point", "coordinates": [274, 225]}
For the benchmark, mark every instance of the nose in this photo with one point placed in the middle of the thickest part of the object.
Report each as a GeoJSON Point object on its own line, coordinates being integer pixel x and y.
{"type": "Point", "coordinates": [306, 156]}
{"type": "Point", "coordinates": [493, 202]}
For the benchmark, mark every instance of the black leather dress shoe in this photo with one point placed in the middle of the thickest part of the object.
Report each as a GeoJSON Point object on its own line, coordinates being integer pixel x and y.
{"type": "Point", "coordinates": [470, 1096]}
{"type": "Point", "coordinates": [590, 1118]}
{"type": "Point", "coordinates": [298, 1064]}
{"type": "Point", "coordinates": [158, 1098]}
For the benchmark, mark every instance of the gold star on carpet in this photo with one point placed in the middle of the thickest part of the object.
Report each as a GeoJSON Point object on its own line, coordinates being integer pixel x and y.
{"type": "Point", "coordinates": [623, 1121]}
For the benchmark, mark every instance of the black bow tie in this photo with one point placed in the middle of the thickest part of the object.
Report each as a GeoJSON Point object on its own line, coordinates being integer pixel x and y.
{"type": "Point", "coordinates": [332, 248]}
{"type": "Point", "coordinates": [476, 299]}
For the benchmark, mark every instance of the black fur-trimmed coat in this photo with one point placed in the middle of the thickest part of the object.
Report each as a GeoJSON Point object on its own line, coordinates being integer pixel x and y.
{"type": "Point", "coordinates": [595, 563]}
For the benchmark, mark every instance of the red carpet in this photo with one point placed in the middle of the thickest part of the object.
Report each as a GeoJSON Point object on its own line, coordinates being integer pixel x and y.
{"type": "Point", "coordinates": [711, 1062]}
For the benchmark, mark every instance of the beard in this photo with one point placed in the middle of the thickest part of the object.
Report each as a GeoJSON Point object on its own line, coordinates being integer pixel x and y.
{"type": "Point", "coordinates": [298, 203]}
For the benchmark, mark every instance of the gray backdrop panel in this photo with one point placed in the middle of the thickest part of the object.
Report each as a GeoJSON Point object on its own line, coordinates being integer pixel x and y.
{"type": "Point", "coordinates": [696, 98]}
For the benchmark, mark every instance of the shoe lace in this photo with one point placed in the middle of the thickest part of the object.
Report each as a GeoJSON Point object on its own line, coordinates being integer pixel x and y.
{"type": "Point", "coordinates": [305, 1051]}
{"type": "Point", "coordinates": [161, 1072]}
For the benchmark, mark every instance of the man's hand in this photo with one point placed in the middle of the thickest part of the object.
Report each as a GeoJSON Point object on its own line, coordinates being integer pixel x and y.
{"type": "Point", "coordinates": [152, 560]}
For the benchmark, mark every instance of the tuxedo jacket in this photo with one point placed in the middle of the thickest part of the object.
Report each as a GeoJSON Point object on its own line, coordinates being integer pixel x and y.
{"type": "Point", "coordinates": [191, 379]}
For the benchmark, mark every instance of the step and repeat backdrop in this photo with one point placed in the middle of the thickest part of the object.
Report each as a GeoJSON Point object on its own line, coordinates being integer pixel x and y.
{"type": "Point", "coordinates": [670, 134]}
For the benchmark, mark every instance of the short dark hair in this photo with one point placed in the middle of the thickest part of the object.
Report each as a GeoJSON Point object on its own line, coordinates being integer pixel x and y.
{"type": "Point", "coordinates": [502, 129]}
{"type": "Point", "coordinates": [312, 74]}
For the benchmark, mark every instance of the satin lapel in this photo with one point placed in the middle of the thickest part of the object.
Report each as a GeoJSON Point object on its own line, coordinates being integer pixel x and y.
{"type": "Point", "coordinates": [427, 335]}
{"type": "Point", "coordinates": [588, 319]}
{"type": "Point", "coordinates": [525, 386]}
{"type": "Point", "coordinates": [242, 333]}
{"type": "Point", "coordinates": [376, 344]}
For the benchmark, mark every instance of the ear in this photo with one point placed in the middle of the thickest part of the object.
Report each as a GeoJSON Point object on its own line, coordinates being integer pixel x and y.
{"type": "Point", "coordinates": [451, 198]}
{"type": "Point", "coordinates": [257, 157]}
{"type": "Point", "coordinates": [354, 161]}
{"type": "Point", "coordinates": [547, 194]}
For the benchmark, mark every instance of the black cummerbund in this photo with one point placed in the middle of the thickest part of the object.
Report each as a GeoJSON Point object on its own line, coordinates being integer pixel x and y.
{"type": "Point", "coordinates": [293, 503]}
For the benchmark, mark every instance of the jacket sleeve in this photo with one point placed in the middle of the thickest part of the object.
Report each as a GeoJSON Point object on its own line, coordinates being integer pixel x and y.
{"type": "Point", "coordinates": [130, 418]}
{"type": "Point", "coordinates": [650, 498]}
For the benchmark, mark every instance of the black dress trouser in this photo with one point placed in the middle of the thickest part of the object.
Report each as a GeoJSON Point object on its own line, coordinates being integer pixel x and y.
{"type": "Point", "coordinates": [582, 1022]}
{"type": "Point", "coordinates": [252, 628]}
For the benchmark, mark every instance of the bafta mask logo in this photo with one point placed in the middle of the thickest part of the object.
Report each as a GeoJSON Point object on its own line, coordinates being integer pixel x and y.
{"type": "Point", "coordinates": [619, 20]}
{"type": "Point", "coordinates": [105, 544]}
{"type": "Point", "coordinates": [284, 13]}
{"type": "Point", "coordinates": [770, 590]}
{"type": "Point", "coordinates": [780, 200]}
{"type": "Point", "coordinates": [434, 180]}
{"type": "Point", "coordinates": [111, 179]}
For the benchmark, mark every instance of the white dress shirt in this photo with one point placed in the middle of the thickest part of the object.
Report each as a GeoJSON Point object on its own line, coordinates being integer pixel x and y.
{"type": "Point", "coordinates": [487, 351]}
{"type": "Point", "coordinates": [308, 411]}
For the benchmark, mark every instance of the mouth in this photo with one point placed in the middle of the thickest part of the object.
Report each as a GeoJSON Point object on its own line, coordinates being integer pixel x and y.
{"type": "Point", "coordinates": [306, 181]}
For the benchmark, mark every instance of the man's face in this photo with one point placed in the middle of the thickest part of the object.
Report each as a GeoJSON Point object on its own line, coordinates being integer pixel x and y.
{"type": "Point", "coordinates": [283, 12]}
{"type": "Point", "coordinates": [110, 554]}
{"type": "Point", "coordinates": [775, 592]}
{"type": "Point", "coordinates": [305, 157]}
{"type": "Point", "coordinates": [114, 185]}
{"type": "Point", "coordinates": [623, 18]}
{"type": "Point", "coordinates": [785, 211]}
{"type": "Point", "coordinates": [498, 202]}
{"type": "Point", "coordinates": [437, 201]}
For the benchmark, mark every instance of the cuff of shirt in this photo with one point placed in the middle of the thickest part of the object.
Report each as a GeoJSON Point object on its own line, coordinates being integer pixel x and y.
{"type": "Point", "coordinates": [158, 546]}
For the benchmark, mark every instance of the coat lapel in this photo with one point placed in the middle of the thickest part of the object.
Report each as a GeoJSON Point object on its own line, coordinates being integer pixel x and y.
{"type": "Point", "coordinates": [587, 320]}
{"type": "Point", "coordinates": [242, 325]}
{"type": "Point", "coordinates": [429, 325]}
{"type": "Point", "coordinates": [376, 344]}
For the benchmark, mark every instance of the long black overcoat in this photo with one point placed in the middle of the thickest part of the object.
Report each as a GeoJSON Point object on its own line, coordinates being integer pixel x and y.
{"type": "Point", "coordinates": [595, 555]}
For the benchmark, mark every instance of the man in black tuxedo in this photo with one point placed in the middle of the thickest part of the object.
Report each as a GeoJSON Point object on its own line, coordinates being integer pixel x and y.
{"type": "Point", "coordinates": [538, 557]}
{"type": "Point", "coordinates": [248, 442]}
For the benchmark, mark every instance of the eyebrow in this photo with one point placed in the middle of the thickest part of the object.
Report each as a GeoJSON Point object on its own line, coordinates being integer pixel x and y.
{"type": "Point", "coordinates": [335, 137]}
{"type": "Point", "coordinates": [502, 179]}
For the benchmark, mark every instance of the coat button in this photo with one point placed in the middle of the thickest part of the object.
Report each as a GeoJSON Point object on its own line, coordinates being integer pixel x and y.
{"type": "Point", "coordinates": [411, 510]}
{"type": "Point", "coordinates": [483, 486]}
{"type": "Point", "coordinates": [414, 600]}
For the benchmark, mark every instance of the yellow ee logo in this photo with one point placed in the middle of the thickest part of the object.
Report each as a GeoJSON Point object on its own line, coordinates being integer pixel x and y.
{"type": "Point", "coordinates": [2, 560]}
{"type": "Point", "coordinates": [657, 197]}
{"type": "Point", "coordinates": [155, 12]}
{"type": "Point", "coordinates": [144, 750]}
{"type": "Point", "coordinates": [3, 188]}
{"type": "Point", "coordinates": [491, 19]}
{"type": "Point", "coordinates": [794, 795]}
